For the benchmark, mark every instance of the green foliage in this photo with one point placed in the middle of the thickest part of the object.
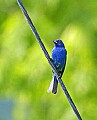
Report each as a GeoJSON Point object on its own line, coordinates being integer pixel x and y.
{"type": "Point", "coordinates": [24, 71]}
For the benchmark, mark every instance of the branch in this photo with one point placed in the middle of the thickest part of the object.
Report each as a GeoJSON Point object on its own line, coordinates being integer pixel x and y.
{"type": "Point", "coordinates": [49, 59]}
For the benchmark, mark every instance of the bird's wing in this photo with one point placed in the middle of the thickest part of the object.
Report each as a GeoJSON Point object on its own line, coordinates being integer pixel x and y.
{"type": "Point", "coordinates": [64, 66]}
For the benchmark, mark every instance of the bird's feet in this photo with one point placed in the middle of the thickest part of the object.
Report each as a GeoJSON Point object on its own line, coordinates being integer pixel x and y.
{"type": "Point", "coordinates": [59, 76]}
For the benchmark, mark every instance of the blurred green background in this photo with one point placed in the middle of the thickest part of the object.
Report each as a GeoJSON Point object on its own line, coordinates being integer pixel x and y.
{"type": "Point", "coordinates": [24, 71]}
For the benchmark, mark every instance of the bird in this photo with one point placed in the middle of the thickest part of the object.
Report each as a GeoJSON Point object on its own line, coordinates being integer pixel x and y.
{"type": "Point", "coordinates": [59, 55]}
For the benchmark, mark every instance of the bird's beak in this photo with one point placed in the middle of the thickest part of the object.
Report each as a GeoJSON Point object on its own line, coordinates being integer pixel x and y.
{"type": "Point", "coordinates": [55, 42]}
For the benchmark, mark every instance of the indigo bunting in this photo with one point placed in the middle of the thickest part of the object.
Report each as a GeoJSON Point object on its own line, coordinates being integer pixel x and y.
{"type": "Point", "coordinates": [59, 54]}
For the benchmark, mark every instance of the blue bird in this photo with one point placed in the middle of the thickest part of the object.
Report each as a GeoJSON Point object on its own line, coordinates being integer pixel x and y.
{"type": "Point", "coordinates": [59, 54]}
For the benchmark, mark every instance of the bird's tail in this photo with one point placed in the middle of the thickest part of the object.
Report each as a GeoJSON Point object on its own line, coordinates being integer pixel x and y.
{"type": "Point", "coordinates": [53, 85]}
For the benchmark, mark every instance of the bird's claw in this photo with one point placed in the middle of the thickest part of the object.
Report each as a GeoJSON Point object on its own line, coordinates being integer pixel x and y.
{"type": "Point", "coordinates": [59, 76]}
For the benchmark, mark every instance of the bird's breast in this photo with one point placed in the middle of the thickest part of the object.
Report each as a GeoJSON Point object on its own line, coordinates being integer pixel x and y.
{"type": "Point", "coordinates": [59, 57]}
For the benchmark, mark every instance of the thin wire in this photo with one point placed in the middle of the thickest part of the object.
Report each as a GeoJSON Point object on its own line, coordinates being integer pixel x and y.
{"type": "Point", "coordinates": [49, 59]}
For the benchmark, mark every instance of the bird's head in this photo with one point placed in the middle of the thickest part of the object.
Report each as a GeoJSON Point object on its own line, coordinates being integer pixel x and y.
{"type": "Point", "coordinates": [58, 43]}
